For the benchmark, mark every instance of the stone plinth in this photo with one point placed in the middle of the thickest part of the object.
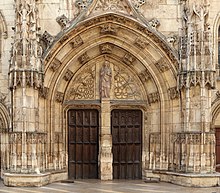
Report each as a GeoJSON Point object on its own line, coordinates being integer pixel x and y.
{"type": "Point", "coordinates": [12, 179]}
{"type": "Point", "coordinates": [190, 180]}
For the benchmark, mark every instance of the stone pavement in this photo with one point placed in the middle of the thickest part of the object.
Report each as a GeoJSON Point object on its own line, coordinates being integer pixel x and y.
{"type": "Point", "coordinates": [116, 186]}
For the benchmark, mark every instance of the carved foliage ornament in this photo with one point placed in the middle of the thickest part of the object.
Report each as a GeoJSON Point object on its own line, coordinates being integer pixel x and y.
{"type": "Point", "coordinates": [128, 59]}
{"type": "Point", "coordinates": [55, 64]}
{"type": "Point", "coordinates": [162, 65]}
{"type": "Point", "coordinates": [68, 75]}
{"type": "Point", "coordinates": [140, 43]}
{"type": "Point", "coordinates": [106, 48]}
{"type": "Point", "coordinates": [59, 97]}
{"type": "Point", "coordinates": [125, 87]}
{"type": "Point", "coordinates": [145, 75]}
{"type": "Point", "coordinates": [83, 58]}
{"type": "Point", "coordinates": [62, 21]}
{"type": "Point", "coordinates": [113, 5]}
{"type": "Point", "coordinates": [154, 23]}
{"type": "Point", "coordinates": [173, 93]}
{"type": "Point", "coordinates": [83, 85]}
{"type": "Point", "coordinates": [153, 97]}
{"type": "Point", "coordinates": [76, 42]}
{"type": "Point", "coordinates": [108, 29]}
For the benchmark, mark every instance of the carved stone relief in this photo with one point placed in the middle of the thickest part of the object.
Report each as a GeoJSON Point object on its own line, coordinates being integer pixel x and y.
{"type": "Point", "coordinates": [154, 23]}
{"type": "Point", "coordinates": [83, 58]}
{"type": "Point", "coordinates": [59, 97]}
{"type": "Point", "coordinates": [62, 21]}
{"type": "Point", "coordinates": [108, 29]}
{"type": "Point", "coordinates": [173, 93]}
{"type": "Point", "coordinates": [145, 75]}
{"type": "Point", "coordinates": [162, 65]}
{"type": "Point", "coordinates": [76, 42]}
{"type": "Point", "coordinates": [138, 3]}
{"type": "Point", "coordinates": [112, 5]}
{"type": "Point", "coordinates": [47, 39]}
{"type": "Point", "coordinates": [83, 85]}
{"type": "Point", "coordinates": [68, 75]}
{"type": "Point", "coordinates": [105, 81]}
{"type": "Point", "coordinates": [2, 97]}
{"type": "Point", "coordinates": [125, 86]}
{"type": "Point", "coordinates": [55, 64]}
{"type": "Point", "coordinates": [44, 92]}
{"type": "Point", "coordinates": [128, 59]}
{"type": "Point", "coordinates": [106, 48]}
{"type": "Point", "coordinates": [153, 97]}
{"type": "Point", "coordinates": [140, 43]}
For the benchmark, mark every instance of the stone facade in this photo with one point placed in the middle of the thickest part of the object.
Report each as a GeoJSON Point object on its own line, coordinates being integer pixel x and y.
{"type": "Point", "coordinates": [156, 56]}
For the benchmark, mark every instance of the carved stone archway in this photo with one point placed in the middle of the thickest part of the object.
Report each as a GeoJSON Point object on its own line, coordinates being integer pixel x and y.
{"type": "Point", "coordinates": [136, 52]}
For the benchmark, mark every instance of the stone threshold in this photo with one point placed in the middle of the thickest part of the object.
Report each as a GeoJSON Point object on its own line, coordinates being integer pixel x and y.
{"type": "Point", "coordinates": [33, 180]}
{"type": "Point", "coordinates": [184, 179]}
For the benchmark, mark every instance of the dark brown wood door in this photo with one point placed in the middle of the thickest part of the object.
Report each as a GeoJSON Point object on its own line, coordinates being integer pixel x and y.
{"type": "Point", "coordinates": [83, 144]}
{"type": "Point", "coordinates": [217, 138]}
{"type": "Point", "coordinates": [127, 140]}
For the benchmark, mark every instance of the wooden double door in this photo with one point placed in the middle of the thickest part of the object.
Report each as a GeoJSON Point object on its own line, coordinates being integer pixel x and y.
{"type": "Point", "coordinates": [127, 142]}
{"type": "Point", "coordinates": [83, 146]}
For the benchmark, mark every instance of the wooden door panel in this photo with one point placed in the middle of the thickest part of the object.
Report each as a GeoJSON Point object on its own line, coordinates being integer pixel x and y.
{"type": "Point", "coordinates": [83, 144]}
{"type": "Point", "coordinates": [127, 140]}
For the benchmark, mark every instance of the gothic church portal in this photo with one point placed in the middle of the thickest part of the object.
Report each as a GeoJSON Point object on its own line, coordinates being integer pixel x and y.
{"type": "Point", "coordinates": [109, 90]}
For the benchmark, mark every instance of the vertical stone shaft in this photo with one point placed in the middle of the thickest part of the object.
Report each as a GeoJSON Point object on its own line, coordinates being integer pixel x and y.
{"type": "Point", "coordinates": [25, 74]}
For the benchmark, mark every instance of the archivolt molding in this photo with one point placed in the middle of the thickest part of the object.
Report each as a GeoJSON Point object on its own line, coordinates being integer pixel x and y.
{"type": "Point", "coordinates": [4, 119]}
{"type": "Point", "coordinates": [108, 32]}
{"type": "Point", "coordinates": [3, 26]}
{"type": "Point", "coordinates": [215, 107]}
{"type": "Point", "coordinates": [216, 26]}
{"type": "Point", "coordinates": [117, 19]}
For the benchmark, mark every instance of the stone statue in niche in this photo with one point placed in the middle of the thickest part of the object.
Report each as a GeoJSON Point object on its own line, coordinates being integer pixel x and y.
{"type": "Point", "coordinates": [105, 80]}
